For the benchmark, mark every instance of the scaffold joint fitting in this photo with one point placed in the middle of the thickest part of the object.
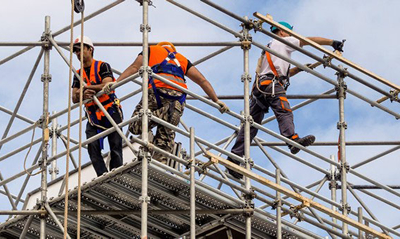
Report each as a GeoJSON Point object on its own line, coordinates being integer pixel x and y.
{"type": "Point", "coordinates": [45, 77]}
{"type": "Point", "coordinates": [45, 41]}
{"type": "Point", "coordinates": [346, 206]}
{"type": "Point", "coordinates": [341, 125]}
{"type": "Point", "coordinates": [145, 27]}
{"type": "Point", "coordinates": [249, 161]}
{"type": "Point", "coordinates": [245, 77]}
{"type": "Point", "coordinates": [332, 184]}
{"type": "Point", "coordinates": [250, 195]}
{"type": "Point", "coordinates": [145, 199]}
{"type": "Point", "coordinates": [246, 45]}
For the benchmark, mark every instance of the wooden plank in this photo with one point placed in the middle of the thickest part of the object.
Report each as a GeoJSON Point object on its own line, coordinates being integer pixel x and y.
{"type": "Point", "coordinates": [319, 47]}
{"type": "Point", "coordinates": [305, 201]}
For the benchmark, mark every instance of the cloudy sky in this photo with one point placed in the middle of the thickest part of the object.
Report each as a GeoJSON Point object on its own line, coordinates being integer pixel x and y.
{"type": "Point", "coordinates": [369, 28]}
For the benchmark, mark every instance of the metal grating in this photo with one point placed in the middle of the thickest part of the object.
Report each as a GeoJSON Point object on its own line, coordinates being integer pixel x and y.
{"type": "Point", "coordinates": [120, 189]}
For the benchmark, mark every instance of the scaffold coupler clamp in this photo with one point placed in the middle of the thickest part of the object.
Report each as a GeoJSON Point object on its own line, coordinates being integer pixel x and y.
{"type": "Point", "coordinates": [294, 212]}
{"type": "Point", "coordinates": [149, 1]}
{"type": "Point", "coordinates": [245, 77]}
{"type": "Point", "coordinates": [341, 125]}
{"type": "Point", "coordinates": [275, 204]}
{"type": "Point", "coordinates": [341, 84]}
{"type": "Point", "coordinates": [250, 161]}
{"type": "Point", "coordinates": [144, 199]}
{"type": "Point", "coordinates": [145, 27]}
{"type": "Point", "coordinates": [46, 45]}
{"type": "Point", "coordinates": [394, 95]}
{"type": "Point", "coordinates": [347, 206]}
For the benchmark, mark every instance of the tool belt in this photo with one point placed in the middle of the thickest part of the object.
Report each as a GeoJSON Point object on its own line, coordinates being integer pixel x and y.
{"type": "Point", "coordinates": [269, 78]}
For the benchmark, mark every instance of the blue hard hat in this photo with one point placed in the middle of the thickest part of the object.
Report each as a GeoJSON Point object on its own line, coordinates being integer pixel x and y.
{"type": "Point", "coordinates": [285, 24]}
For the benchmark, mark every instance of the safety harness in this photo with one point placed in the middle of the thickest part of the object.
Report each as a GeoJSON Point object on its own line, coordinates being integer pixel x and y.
{"type": "Point", "coordinates": [168, 68]}
{"type": "Point", "coordinates": [94, 114]}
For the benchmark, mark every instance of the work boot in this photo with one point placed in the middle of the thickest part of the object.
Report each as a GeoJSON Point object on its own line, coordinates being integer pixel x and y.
{"type": "Point", "coordinates": [232, 172]}
{"type": "Point", "coordinates": [305, 141]}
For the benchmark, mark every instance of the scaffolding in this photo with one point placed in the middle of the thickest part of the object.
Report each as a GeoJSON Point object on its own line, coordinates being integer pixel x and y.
{"type": "Point", "coordinates": [145, 198]}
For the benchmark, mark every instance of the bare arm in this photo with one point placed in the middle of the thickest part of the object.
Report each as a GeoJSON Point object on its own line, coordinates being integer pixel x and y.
{"type": "Point", "coordinates": [132, 69]}
{"type": "Point", "coordinates": [98, 87]}
{"type": "Point", "coordinates": [199, 79]}
{"type": "Point", "coordinates": [319, 40]}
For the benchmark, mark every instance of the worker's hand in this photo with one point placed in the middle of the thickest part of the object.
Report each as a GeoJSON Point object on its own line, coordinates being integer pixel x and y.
{"type": "Point", "coordinates": [107, 87]}
{"type": "Point", "coordinates": [88, 94]}
{"type": "Point", "coordinates": [223, 107]}
{"type": "Point", "coordinates": [338, 45]}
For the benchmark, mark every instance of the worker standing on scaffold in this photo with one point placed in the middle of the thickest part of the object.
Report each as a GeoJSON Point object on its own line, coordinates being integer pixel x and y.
{"type": "Point", "coordinates": [165, 101]}
{"type": "Point", "coordinates": [269, 90]}
{"type": "Point", "coordinates": [96, 74]}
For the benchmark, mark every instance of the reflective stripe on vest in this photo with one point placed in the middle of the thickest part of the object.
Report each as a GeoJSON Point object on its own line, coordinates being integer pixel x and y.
{"type": "Point", "coordinates": [106, 100]}
{"type": "Point", "coordinates": [157, 55]}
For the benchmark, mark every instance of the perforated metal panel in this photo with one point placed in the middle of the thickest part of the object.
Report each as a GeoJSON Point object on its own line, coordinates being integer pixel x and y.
{"type": "Point", "coordinates": [121, 189]}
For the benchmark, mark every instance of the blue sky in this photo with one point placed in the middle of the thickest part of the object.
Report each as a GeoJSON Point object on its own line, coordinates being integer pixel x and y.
{"type": "Point", "coordinates": [368, 26]}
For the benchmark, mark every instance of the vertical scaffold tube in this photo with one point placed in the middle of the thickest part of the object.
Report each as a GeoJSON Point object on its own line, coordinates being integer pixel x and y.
{"type": "Point", "coordinates": [278, 206]}
{"type": "Point", "coordinates": [54, 128]}
{"type": "Point", "coordinates": [192, 188]}
{"type": "Point", "coordinates": [341, 93]}
{"type": "Point", "coordinates": [145, 103]}
{"type": "Point", "coordinates": [332, 187]}
{"type": "Point", "coordinates": [360, 220]}
{"type": "Point", "coordinates": [246, 40]}
{"type": "Point", "coordinates": [45, 137]}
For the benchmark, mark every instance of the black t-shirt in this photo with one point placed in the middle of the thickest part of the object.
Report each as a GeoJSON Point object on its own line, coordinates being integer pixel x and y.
{"type": "Point", "coordinates": [105, 71]}
{"type": "Point", "coordinates": [188, 65]}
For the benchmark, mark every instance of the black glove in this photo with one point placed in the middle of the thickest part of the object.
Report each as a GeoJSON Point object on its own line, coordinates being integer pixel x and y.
{"type": "Point", "coordinates": [338, 45]}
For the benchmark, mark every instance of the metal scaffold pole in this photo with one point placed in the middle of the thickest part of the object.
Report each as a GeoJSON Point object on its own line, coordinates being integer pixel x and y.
{"type": "Point", "coordinates": [46, 78]}
{"type": "Point", "coordinates": [246, 78]}
{"type": "Point", "coordinates": [192, 187]}
{"type": "Point", "coordinates": [54, 128]}
{"type": "Point", "coordinates": [344, 167]}
{"type": "Point", "coordinates": [332, 187]}
{"type": "Point", "coordinates": [145, 200]}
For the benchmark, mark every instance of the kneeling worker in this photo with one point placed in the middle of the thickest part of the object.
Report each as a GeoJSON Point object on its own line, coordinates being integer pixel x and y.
{"type": "Point", "coordinates": [95, 75]}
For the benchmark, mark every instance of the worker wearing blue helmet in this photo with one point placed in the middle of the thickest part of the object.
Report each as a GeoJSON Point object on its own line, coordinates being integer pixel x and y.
{"type": "Point", "coordinates": [269, 91]}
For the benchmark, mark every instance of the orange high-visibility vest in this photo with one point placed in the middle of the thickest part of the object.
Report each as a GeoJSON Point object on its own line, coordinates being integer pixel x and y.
{"type": "Point", "coordinates": [157, 55]}
{"type": "Point", "coordinates": [106, 100]}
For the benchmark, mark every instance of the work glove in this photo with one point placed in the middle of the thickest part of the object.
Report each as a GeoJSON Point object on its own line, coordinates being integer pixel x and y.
{"type": "Point", "coordinates": [223, 107]}
{"type": "Point", "coordinates": [107, 87]}
{"type": "Point", "coordinates": [338, 45]}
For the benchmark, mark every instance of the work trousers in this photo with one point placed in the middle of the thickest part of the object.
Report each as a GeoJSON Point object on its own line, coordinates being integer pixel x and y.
{"type": "Point", "coordinates": [170, 111]}
{"type": "Point", "coordinates": [115, 141]}
{"type": "Point", "coordinates": [261, 101]}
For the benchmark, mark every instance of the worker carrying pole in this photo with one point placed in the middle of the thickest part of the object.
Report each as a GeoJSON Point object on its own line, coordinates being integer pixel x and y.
{"type": "Point", "coordinates": [166, 101]}
{"type": "Point", "coordinates": [269, 91]}
{"type": "Point", "coordinates": [96, 74]}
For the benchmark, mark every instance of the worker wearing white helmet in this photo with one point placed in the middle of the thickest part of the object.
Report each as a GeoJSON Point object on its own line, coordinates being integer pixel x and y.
{"type": "Point", "coordinates": [95, 75]}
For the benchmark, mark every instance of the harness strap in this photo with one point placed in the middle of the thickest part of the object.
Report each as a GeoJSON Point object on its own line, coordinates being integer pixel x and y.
{"type": "Point", "coordinates": [271, 65]}
{"type": "Point", "coordinates": [157, 94]}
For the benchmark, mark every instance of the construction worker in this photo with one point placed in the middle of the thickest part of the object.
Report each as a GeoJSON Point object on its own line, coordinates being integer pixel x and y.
{"type": "Point", "coordinates": [95, 75]}
{"type": "Point", "coordinates": [165, 101]}
{"type": "Point", "coordinates": [269, 90]}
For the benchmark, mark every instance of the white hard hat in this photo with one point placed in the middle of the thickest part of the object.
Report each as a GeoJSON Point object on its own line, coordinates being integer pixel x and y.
{"type": "Point", "coordinates": [86, 40]}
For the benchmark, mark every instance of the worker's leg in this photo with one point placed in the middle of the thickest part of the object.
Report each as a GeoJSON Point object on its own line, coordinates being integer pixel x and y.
{"type": "Point", "coordinates": [95, 151]}
{"type": "Point", "coordinates": [115, 141]}
{"type": "Point", "coordinates": [281, 107]}
{"type": "Point", "coordinates": [136, 127]}
{"type": "Point", "coordinates": [171, 111]}
{"type": "Point", "coordinates": [257, 111]}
